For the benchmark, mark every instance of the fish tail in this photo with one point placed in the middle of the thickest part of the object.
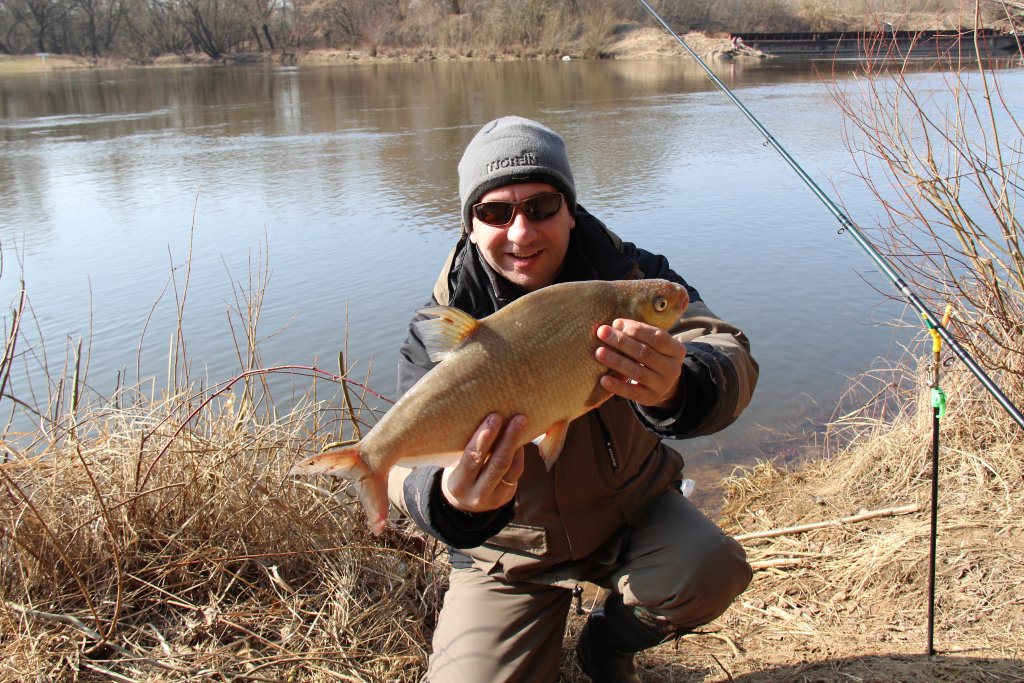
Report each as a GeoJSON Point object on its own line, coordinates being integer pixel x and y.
{"type": "Point", "coordinates": [348, 463]}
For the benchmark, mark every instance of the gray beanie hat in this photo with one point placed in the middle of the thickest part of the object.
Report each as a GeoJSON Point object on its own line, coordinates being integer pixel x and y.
{"type": "Point", "coordinates": [513, 150]}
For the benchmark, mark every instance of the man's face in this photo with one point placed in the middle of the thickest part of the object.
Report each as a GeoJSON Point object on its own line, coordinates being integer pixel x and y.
{"type": "Point", "coordinates": [528, 253]}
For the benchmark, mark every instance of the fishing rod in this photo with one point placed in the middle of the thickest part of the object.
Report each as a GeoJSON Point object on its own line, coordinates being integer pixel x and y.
{"type": "Point", "coordinates": [849, 226]}
{"type": "Point", "coordinates": [938, 411]}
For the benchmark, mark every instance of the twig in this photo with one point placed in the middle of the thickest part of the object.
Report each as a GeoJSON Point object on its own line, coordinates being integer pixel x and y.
{"type": "Point", "coordinates": [728, 675]}
{"type": "Point", "coordinates": [725, 639]}
{"type": "Point", "coordinates": [81, 626]}
{"type": "Point", "coordinates": [345, 398]}
{"type": "Point", "coordinates": [60, 618]}
{"type": "Point", "coordinates": [776, 563]}
{"type": "Point", "coordinates": [108, 673]}
{"type": "Point", "coordinates": [863, 516]}
{"type": "Point", "coordinates": [224, 387]}
{"type": "Point", "coordinates": [12, 338]}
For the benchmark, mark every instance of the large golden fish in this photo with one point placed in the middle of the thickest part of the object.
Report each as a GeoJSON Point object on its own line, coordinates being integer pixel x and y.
{"type": "Point", "coordinates": [535, 357]}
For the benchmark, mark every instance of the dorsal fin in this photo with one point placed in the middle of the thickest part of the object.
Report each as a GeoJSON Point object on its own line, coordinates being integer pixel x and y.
{"type": "Point", "coordinates": [446, 329]}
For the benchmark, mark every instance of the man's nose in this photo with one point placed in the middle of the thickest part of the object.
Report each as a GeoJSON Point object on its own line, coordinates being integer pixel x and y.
{"type": "Point", "coordinates": [521, 228]}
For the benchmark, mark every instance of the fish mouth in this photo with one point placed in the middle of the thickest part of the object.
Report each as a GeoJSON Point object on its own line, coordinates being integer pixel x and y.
{"type": "Point", "coordinates": [684, 298]}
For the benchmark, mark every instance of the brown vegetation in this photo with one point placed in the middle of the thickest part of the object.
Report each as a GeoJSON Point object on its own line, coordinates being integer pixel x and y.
{"type": "Point", "coordinates": [163, 540]}
{"type": "Point", "coordinates": [160, 538]}
{"type": "Point", "coordinates": [141, 31]}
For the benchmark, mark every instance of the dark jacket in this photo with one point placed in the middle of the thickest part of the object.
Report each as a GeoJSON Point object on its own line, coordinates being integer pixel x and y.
{"type": "Point", "coordinates": [613, 464]}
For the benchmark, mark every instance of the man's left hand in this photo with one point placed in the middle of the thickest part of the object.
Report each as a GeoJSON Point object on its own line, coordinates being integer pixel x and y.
{"type": "Point", "coordinates": [646, 362]}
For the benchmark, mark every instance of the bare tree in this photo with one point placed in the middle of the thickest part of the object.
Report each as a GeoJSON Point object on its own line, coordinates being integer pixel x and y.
{"type": "Point", "coordinates": [260, 14]}
{"type": "Point", "coordinates": [46, 14]}
{"type": "Point", "coordinates": [102, 20]}
{"type": "Point", "coordinates": [214, 26]}
{"type": "Point", "coordinates": [153, 28]}
{"type": "Point", "coordinates": [12, 27]}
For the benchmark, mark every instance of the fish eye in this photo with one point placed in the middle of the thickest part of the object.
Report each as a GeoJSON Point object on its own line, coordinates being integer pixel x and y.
{"type": "Point", "coordinates": [660, 304]}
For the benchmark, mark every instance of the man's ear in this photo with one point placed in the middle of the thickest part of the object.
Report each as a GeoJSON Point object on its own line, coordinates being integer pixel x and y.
{"type": "Point", "coordinates": [472, 236]}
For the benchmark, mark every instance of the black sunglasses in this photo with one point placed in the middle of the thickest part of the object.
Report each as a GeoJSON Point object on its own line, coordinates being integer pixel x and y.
{"type": "Point", "coordinates": [500, 214]}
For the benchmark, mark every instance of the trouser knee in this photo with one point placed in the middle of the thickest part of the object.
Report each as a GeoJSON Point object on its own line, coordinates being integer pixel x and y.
{"type": "Point", "coordinates": [696, 597]}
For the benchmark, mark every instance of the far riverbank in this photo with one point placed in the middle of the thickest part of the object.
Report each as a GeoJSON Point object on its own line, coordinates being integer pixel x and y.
{"type": "Point", "coordinates": [636, 43]}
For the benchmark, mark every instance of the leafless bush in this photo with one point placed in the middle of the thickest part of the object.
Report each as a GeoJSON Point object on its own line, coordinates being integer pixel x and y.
{"type": "Point", "coordinates": [941, 153]}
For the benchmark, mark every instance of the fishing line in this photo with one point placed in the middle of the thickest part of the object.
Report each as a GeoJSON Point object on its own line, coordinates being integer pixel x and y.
{"type": "Point", "coordinates": [850, 227]}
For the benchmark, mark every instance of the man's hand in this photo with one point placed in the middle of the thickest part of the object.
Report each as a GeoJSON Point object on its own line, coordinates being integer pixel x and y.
{"type": "Point", "coordinates": [487, 475]}
{"type": "Point", "coordinates": [646, 362]}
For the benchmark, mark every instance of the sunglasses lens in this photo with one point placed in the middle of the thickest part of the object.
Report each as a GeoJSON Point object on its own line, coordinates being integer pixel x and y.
{"type": "Point", "coordinates": [500, 214]}
{"type": "Point", "coordinates": [542, 206]}
{"type": "Point", "coordinates": [494, 213]}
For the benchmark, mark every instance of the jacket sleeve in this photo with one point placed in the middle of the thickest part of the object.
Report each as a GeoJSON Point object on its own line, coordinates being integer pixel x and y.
{"type": "Point", "coordinates": [719, 374]}
{"type": "Point", "coordinates": [417, 491]}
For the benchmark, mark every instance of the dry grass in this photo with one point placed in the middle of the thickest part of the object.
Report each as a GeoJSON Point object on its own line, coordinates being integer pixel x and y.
{"type": "Point", "coordinates": [150, 537]}
{"type": "Point", "coordinates": [20, 64]}
{"type": "Point", "coordinates": [165, 541]}
{"type": "Point", "coordinates": [161, 540]}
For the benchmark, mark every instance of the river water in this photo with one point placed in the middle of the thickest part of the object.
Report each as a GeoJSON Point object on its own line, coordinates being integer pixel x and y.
{"type": "Point", "coordinates": [340, 182]}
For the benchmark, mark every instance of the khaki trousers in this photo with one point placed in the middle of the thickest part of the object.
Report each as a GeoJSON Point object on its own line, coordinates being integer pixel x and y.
{"type": "Point", "coordinates": [675, 562]}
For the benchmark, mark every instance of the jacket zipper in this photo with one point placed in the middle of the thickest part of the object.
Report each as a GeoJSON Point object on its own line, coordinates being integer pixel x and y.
{"type": "Point", "coordinates": [608, 443]}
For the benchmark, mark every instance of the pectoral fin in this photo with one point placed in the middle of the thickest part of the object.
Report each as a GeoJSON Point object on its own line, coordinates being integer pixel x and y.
{"type": "Point", "coordinates": [597, 397]}
{"type": "Point", "coordinates": [370, 485]}
{"type": "Point", "coordinates": [443, 332]}
{"type": "Point", "coordinates": [550, 443]}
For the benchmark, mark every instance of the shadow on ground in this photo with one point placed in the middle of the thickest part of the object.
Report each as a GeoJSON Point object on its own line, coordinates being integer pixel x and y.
{"type": "Point", "coordinates": [868, 669]}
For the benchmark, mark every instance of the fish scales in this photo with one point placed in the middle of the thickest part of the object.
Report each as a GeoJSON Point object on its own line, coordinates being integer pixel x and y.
{"type": "Point", "coordinates": [534, 357]}
{"type": "Point", "coordinates": [506, 367]}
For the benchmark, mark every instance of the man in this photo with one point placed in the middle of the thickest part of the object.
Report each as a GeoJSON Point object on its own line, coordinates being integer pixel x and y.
{"type": "Point", "coordinates": [609, 511]}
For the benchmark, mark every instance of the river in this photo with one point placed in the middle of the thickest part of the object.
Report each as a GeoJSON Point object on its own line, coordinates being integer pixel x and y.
{"type": "Point", "coordinates": [339, 182]}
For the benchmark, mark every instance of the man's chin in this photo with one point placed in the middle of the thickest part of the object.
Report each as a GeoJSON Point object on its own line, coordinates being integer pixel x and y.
{"type": "Point", "coordinates": [527, 280]}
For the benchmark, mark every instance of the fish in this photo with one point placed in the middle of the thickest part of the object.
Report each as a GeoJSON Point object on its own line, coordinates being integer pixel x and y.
{"type": "Point", "coordinates": [534, 357]}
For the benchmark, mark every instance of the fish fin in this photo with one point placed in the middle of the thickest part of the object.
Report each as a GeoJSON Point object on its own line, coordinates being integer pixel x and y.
{"type": "Point", "coordinates": [373, 494]}
{"type": "Point", "coordinates": [551, 442]}
{"type": "Point", "coordinates": [445, 330]}
{"type": "Point", "coordinates": [599, 396]}
{"type": "Point", "coordinates": [347, 463]}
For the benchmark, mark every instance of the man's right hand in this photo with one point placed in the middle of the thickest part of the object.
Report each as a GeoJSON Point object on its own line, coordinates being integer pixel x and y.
{"type": "Point", "coordinates": [487, 475]}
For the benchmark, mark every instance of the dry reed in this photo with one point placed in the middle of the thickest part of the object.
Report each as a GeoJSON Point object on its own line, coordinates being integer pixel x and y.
{"type": "Point", "coordinates": [161, 538]}
{"type": "Point", "coordinates": [218, 566]}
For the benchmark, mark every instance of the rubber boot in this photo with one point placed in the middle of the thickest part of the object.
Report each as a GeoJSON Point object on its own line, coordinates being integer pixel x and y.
{"type": "Point", "coordinates": [609, 640]}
